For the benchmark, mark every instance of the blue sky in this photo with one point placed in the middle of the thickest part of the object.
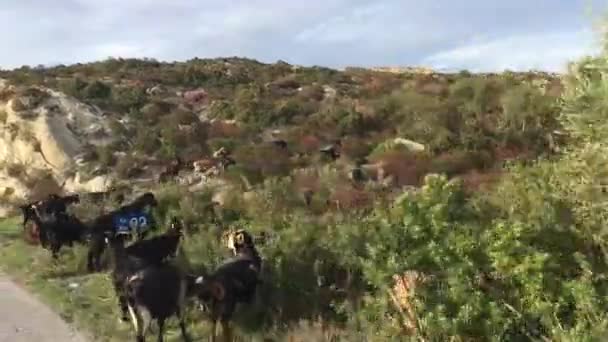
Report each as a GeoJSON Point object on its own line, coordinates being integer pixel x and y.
{"type": "Point", "coordinates": [479, 35]}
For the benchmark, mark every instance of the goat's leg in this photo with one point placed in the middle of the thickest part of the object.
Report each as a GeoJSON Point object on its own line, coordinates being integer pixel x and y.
{"type": "Point", "coordinates": [95, 251]}
{"type": "Point", "coordinates": [161, 329]}
{"type": "Point", "coordinates": [55, 254]}
{"type": "Point", "coordinates": [123, 304]}
{"type": "Point", "coordinates": [182, 326]}
{"type": "Point", "coordinates": [42, 235]}
{"type": "Point", "coordinates": [141, 319]}
{"type": "Point", "coordinates": [226, 330]}
{"type": "Point", "coordinates": [213, 329]}
{"type": "Point", "coordinates": [55, 247]}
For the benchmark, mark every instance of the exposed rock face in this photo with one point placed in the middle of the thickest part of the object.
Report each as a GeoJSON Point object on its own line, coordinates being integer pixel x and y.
{"type": "Point", "coordinates": [42, 132]}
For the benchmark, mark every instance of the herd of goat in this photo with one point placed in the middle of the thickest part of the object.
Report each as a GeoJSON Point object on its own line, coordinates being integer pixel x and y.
{"type": "Point", "coordinates": [147, 284]}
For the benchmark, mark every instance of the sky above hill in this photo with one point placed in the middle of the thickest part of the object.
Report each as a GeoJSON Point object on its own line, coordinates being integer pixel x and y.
{"type": "Point", "coordinates": [478, 35]}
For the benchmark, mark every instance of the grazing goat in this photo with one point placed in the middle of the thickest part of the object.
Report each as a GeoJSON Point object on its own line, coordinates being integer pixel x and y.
{"type": "Point", "coordinates": [231, 283]}
{"type": "Point", "coordinates": [129, 219]}
{"type": "Point", "coordinates": [156, 249]}
{"type": "Point", "coordinates": [123, 266]}
{"type": "Point", "coordinates": [46, 211]}
{"type": "Point", "coordinates": [147, 291]}
{"type": "Point", "coordinates": [171, 170]}
{"type": "Point", "coordinates": [279, 143]}
{"type": "Point", "coordinates": [62, 230]}
{"type": "Point", "coordinates": [157, 292]}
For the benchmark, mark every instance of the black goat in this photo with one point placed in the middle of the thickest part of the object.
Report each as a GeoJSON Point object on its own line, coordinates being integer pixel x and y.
{"type": "Point", "coordinates": [157, 292]}
{"type": "Point", "coordinates": [233, 282]}
{"type": "Point", "coordinates": [147, 291]}
{"type": "Point", "coordinates": [62, 230]}
{"type": "Point", "coordinates": [27, 211]}
{"type": "Point", "coordinates": [53, 204]}
{"type": "Point", "coordinates": [156, 249]}
{"type": "Point", "coordinates": [106, 226]}
{"type": "Point", "coordinates": [46, 213]}
{"type": "Point", "coordinates": [123, 266]}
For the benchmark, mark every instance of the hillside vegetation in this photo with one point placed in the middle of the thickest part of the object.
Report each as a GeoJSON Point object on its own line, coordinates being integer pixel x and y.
{"type": "Point", "coordinates": [493, 231]}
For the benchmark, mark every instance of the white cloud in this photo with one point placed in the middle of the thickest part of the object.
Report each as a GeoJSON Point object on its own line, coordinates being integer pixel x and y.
{"type": "Point", "coordinates": [333, 33]}
{"type": "Point", "coordinates": [547, 51]}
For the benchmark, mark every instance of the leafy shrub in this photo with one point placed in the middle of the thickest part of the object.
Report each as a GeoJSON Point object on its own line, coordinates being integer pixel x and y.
{"type": "Point", "coordinates": [458, 162]}
{"type": "Point", "coordinates": [256, 158]}
{"type": "Point", "coordinates": [146, 140]}
{"type": "Point", "coordinates": [96, 90]}
{"type": "Point", "coordinates": [128, 98]}
{"type": "Point", "coordinates": [407, 168]}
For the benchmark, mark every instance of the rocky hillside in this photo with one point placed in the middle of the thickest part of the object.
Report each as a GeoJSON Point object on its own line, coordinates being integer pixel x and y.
{"type": "Point", "coordinates": [85, 126]}
{"type": "Point", "coordinates": [43, 137]}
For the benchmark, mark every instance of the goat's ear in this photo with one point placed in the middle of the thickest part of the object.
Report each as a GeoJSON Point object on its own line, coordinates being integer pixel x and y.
{"type": "Point", "coordinates": [218, 290]}
{"type": "Point", "coordinates": [239, 238]}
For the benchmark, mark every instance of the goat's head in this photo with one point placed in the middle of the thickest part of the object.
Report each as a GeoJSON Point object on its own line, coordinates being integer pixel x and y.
{"type": "Point", "coordinates": [144, 202]}
{"type": "Point", "coordinates": [44, 212]}
{"type": "Point", "coordinates": [176, 225]}
{"type": "Point", "coordinates": [208, 289]}
{"type": "Point", "coordinates": [27, 211]}
{"type": "Point", "coordinates": [237, 240]}
{"type": "Point", "coordinates": [116, 238]}
{"type": "Point", "coordinates": [147, 200]}
{"type": "Point", "coordinates": [72, 199]}
{"type": "Point", "coordinates": [54, 197]}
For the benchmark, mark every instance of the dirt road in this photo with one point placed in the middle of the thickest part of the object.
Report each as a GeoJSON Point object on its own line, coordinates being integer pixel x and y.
{"type": "Point", "coordinates": [25, 319]}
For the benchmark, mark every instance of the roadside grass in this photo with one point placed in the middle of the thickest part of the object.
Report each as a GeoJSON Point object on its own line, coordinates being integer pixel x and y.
{"type": "Point", "coordinates": [85, 300]}
{"type": "Point", "coordinates": [88, 302]}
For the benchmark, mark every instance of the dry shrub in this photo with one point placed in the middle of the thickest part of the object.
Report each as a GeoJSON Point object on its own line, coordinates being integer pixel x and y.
{"type": "Point", "coordinates": [42, 184]}
{"type": "Point", "coordinates": [267, 160]}
{"type": "Point", "coordinates": [507, 153]}
{"type": "Point", "coordinates": [430, 86]}
{"type": "Point", "coordinates": [350, 198]}
{"type": "Point", "coordinates": [458, 162]}
{"type": "Point", "coordinates": [475, 180]}
{"type": "Point", "coordinates": [318, 331]}
{"type": "Point", "coordinates": [380, 83]}
{"type": "Point", "coordinates": [6, 94]}
{"type": "Point", "coordinates": [407, 168]}
{"type": "Point", "coordinates": [312, 92]}
{"type": "Point", "coordinates": [306, 179]}
{"type": "Point", "coordinates": [401, 293]}
{"type": "Point", "coordinates": [286, 83]}
{"type": "Point", "coordinates": [309, 144]}
{"type": "Point", "coordinates": [354, 148]}
{"type": "Point", "coordinates": [224, 129]}
{"type": "Point", "coordinates": [17, 105]}
{"type": "Point", "coordinates": [555, 88]}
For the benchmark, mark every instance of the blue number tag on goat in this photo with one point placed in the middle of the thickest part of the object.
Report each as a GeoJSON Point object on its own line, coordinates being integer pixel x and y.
{"type": "Point", "coordinates": [131, 223]}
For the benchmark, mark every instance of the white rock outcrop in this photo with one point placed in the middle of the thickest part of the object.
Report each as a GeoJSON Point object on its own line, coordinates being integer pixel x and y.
{"type": "Point", "coordinates": [41, 133]}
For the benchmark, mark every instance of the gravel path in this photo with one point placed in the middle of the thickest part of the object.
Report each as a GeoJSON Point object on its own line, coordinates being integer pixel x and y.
{"type": "Point", "coordinates": [23, 318]}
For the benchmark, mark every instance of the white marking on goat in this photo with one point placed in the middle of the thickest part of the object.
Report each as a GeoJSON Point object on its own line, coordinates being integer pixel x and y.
{"type": "Point", "coordinates": [199, 280]}
{"type": "Point", "coordinates": [146, 318]}
{"type": "Point", "coordinates": [230, 243]}
{"type": "Point", "coordinates": [134, 318]}
{"type": "Point", "coordinates": [133, 277]}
